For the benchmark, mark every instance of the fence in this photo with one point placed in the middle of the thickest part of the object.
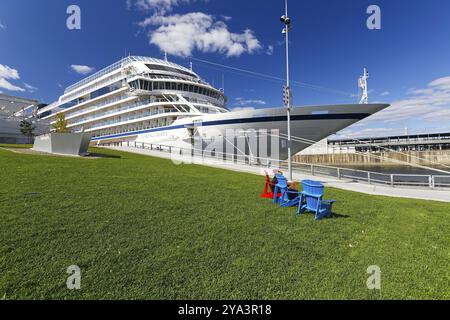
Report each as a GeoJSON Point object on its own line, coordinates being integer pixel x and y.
{"type": "Point", "coordinates": [375, 178]}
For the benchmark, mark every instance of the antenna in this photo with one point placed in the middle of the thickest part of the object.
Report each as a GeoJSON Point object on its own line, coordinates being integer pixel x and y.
{"type": "Point", "coordinates": [362, 84]}
{"type": "Point", "coordinates": [165, 57]}
{"type": "Point", "coordinates": [191, 66]}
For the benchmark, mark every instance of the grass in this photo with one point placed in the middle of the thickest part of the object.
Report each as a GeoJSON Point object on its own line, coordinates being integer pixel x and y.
{"type": "Point", "coordinates": [144, 228]}
{"type": "Point", "coordinates": [15, 146]}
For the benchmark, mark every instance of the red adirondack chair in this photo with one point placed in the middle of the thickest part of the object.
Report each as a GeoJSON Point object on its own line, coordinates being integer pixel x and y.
{"type": "Point", "coordinates": [268, 190]}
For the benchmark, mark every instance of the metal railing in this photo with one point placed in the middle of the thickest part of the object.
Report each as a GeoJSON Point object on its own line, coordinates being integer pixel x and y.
{"type": "Point", "coordinates": [370, 177]}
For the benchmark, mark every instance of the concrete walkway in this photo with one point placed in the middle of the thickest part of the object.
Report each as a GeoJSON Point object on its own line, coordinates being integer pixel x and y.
{"type": "Point", "coordinates": [422, 194]}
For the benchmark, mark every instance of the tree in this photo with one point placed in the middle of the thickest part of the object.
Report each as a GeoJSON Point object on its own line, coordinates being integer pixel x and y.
{"type": "Point", "coordinates": [27, 129]}
{"type": "Point", "coordinates": [60, 125]}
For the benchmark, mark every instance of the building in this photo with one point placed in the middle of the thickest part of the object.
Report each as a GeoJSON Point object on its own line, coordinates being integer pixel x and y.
{"type": "Point", "coordinates": [418, 142]}
{"type": "Point", "coordinates": [12, 111]}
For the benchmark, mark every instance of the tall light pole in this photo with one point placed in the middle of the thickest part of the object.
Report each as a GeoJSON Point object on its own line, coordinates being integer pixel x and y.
{"type": "Point", "coordinates": [288, 97]}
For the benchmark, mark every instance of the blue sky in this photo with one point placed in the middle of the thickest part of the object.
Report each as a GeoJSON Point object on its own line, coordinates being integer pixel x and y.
{"type": "Point", "coordinates": [408, 59]}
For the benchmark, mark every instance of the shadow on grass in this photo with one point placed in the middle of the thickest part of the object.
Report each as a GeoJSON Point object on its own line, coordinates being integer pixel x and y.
{"type": "Point", "coordinates": [102, 155]}
{"type": "Point", "coordinates": [333, 215]}
{"type": "Point", "coordinates": [339, 216]}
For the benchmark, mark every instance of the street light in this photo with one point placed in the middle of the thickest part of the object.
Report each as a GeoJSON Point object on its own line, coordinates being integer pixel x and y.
{"type": "Point", "coordinates": [288, 103]}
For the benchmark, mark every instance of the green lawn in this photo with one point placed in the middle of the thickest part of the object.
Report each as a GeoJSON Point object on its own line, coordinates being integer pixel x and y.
{"type": "Point", "coordinates": [15, 146]}
{"type": "Point", "coordinates": [144, 228]}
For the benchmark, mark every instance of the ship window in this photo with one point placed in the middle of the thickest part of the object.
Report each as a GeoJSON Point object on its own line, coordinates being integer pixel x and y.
{"type": "Point", "coordinates": [196, 89]}
{"type": "Point", "coordinates": [185, 87]}
{"type": "Point", "coordinates": [191, 88]}
{"type": "Point", "coordinates": [105, 90]}
{"type": "Point", "coordinates": [164, 68]}
{"type": "Point", "coordinates": [174, 86]}
{"type": "Point", "coordinates": [161, 86]}
{"type": "Point", "coordinates": [179, 86]}
{"type": "Point", "coordinates": [141, 84]}
{"type": "Point", "coordinates": [167, 85]}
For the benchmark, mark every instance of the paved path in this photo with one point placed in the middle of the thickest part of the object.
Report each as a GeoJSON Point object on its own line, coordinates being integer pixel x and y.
{"type": "Point", "coordinates": [423, 194]}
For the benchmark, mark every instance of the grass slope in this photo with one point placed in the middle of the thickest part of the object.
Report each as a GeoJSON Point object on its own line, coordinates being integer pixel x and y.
{"type": "Point", "coordinates": [144, 228]}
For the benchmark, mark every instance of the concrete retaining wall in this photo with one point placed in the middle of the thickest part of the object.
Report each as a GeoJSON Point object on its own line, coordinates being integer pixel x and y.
{"type": "Point", "coordinates": [385, 158]}
{"type": "Point", "coordinates": [75, 144]}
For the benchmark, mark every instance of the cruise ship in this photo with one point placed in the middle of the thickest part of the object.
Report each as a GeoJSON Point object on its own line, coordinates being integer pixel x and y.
{"type": "Point", "coordinates": [147, 100]}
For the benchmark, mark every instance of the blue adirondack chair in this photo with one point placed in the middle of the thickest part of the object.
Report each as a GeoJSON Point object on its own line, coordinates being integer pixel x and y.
{"type": "Point", "coordinates": [282, 188]}
{"type": "Point", "coordinates": [287, 202]}
{"type": "Point", "coordinates": [311, 199]}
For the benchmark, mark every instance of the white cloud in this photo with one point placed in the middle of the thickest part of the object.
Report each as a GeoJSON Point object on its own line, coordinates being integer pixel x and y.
{"type": "Point", "coordinates": [5, 84]}
{"type": "Point", "coordinates": [182, 34]}
{"type": "Point", "coordinates": [80, 69]}
{"type": "Point", "coordinates": [431, 104]}
{"type": "Point", "coordinates": [269, 50]}
{"type": "Point", "coordinates": [441, 83]}
{"type": "Point", "coordinates": [420, 91]}
{"type": "Point", "coordinates": [2, 26]}
{"type": "Point", "coordinates": [245, 102]}
{"type": "Point", "coordinates": [7, 73]}
{"type": "Point", "coordinates": [159, 6]}
{"type": "Point", "coordinates": [369, 132]}
{"type": "Point", "coordinates": [385, 93]}
{"type": "Point", "coordinates": [30, 88]}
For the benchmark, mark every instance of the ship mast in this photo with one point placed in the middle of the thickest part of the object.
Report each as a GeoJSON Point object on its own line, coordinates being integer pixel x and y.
{"type": "Point", "coordinates": [362, 83]}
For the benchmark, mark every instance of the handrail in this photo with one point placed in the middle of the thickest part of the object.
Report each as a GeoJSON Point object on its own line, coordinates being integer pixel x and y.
{"type": "Point", "coordinates": [119, 64]}
{"type": "Point", "coordinates": [370, 177]}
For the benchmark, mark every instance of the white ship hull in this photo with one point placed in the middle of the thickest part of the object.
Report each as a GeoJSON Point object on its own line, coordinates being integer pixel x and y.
{"type": "Point", "coordinates": [308, 123]}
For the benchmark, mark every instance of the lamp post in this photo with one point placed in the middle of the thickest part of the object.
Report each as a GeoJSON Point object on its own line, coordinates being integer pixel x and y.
{"type": "Point", "coordinates": [287, 26]}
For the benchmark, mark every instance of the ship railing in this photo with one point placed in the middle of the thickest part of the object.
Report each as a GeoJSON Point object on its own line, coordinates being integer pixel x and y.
{"type": "Point", "coordinates": [339, 173]}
